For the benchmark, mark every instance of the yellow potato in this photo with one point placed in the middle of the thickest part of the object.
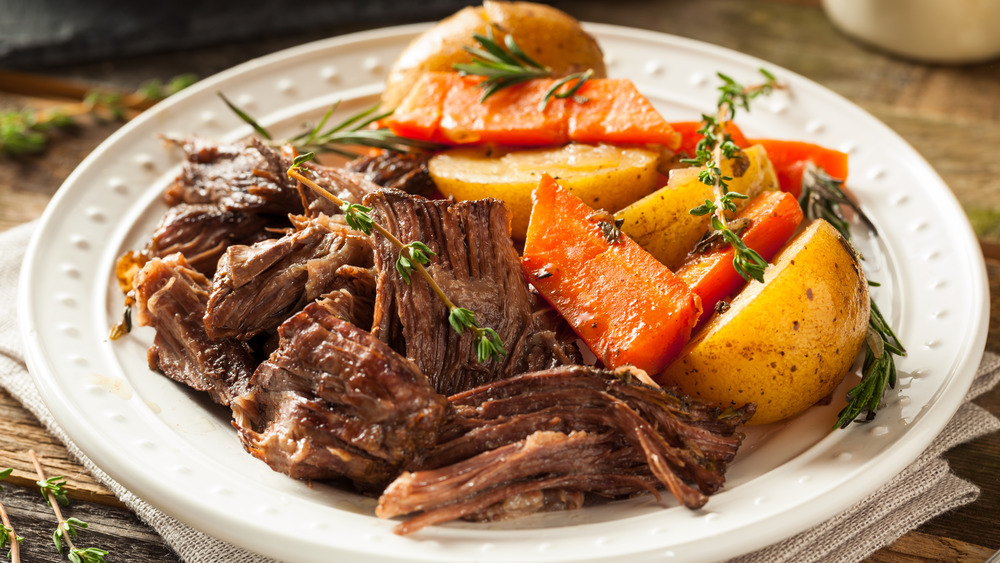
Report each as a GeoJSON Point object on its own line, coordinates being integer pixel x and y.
{"type": "Point", "coordinates": [661, 222]}
{"type": "Point", "coordinates": [549, 36]}
{"type": "Point", "coordinates": [788, 342]}
{"type": "Point", "coordinates": [604, 176]}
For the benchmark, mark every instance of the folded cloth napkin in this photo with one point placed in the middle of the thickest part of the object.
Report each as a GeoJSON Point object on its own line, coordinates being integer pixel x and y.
{"type": "Point", "coordinates": [923, 490]}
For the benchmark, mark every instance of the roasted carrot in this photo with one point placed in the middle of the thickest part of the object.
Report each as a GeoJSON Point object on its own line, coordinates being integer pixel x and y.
{"type": "Point", "coordinates": [629, 308]}
{"type": "Point", "coordinates": [773, 217]}
{"type": "Point", "coordinates": [790, 157]}
{"type": "Point", "coordinates": [690, 137]}
{"type": "Point", "coordinates": [446, 107]}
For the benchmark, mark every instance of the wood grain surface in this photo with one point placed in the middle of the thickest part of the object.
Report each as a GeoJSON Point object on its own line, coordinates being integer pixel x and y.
{"type": "Point", "coordinates": [951, 115]}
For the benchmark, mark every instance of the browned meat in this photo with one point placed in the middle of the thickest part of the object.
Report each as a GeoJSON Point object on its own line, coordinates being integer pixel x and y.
{"type": "Point", "coordinates": [333, 401]}
{"type": "Point", "coordinates": [257, 287]}
{"type": "Point", "coordinates": [346, 184]}
{"type": "Point", "coordinates": [397, 170]}
{"type": "Point", "coordinates": [560, 432]}
{"type": "Point", "coordinates": [247, 177]}
{"type": "Point", "coordinates": [203, 231]}
{"type": "Point", "coordinates": [477, 267]}
{"type": "Point", "coordinates": [171, 297]}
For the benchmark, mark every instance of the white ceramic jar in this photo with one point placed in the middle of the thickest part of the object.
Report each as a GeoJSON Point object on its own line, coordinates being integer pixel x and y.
{"type": "Point", "coordinates": [939, 31]}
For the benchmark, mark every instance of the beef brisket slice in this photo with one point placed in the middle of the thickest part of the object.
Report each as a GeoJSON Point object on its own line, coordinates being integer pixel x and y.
{"type": "Point", "coordinates": [332, 401]}
{"type": "Point", "coordinates": [477, 268]}
{"type": "Point", "coordinates": [171, 297]}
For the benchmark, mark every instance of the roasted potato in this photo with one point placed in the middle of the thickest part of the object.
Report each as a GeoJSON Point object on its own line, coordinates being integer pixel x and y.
{"type": "Point", "coordinates": [662, 223]}
{"type": "Point", "coordinates": [550, 36]}
{"type": "Point", "coordinates": [603, 176]}
{"type": "Point", "coordinates": [788, 342]}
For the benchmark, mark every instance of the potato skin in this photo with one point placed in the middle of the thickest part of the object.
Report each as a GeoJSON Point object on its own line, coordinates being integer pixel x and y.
{"type": "Point", "coordinates": [550, 36]}
{"type": "Point", "coordinates": [604, 176]}
{"type": "Point", "coordinates": [662, 223]}
{"type": "Point", "coordinates": [787, 343]}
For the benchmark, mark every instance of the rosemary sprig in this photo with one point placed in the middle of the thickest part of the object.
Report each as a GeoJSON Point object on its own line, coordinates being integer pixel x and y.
{"type": "Point", "coordinates": [412, 256]}
{"type": "Point", "coordinates": [27, 131]}
{"type": "Point", "coordinates": [716, 145]}
{"type": "Point", "coordinates": [506, 67]}
{"type": "Point", "coordinates": [878, 371]}
{"type": "Point", "coordinates": [53, 490]}
{"type": "Point", "coordinates": [822, 198]}
{"type": "Point", "coordinates": [7, 533]}
{"type": "Point", "coordinates": [355, 130]}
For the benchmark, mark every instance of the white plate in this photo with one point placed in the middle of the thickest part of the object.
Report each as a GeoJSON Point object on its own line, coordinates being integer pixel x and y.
{"type": "Point", "coordinates": [177, 451]}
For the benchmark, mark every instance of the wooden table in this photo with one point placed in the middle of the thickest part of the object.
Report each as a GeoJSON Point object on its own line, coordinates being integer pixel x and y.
{"type": "Point", "coordinates": [950, 114]}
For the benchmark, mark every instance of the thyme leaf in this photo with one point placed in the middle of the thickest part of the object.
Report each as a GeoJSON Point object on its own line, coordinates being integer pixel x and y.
{"type": "Point", "coordinates": [717, 145]}
{"type": "Point", "coordinates": [412, 257]}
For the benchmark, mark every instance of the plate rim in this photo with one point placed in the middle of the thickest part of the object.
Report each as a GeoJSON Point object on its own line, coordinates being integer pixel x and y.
{"type": "Point", "coordinates": [37, 365]}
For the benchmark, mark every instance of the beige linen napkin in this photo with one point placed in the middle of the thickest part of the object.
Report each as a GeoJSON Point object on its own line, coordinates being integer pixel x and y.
{"type": "Point", "coordinates": [923, 490]}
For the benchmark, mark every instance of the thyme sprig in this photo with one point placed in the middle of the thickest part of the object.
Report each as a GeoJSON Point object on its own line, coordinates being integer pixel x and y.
{"type": "Point", "coordinates": [27, 131]}
{"type": "Point", "coordinates": [717, 145]}
{"type": "Point", "coordinates": [7, 533]}
{"type": "Point", "coordinates": [505, 67]}
{"type": "Point", "coordinates": [412, 257]}
{"type": "Point", "coordinates": [354, 130]}
{"type": "Point", "coordinates": [53, 490]}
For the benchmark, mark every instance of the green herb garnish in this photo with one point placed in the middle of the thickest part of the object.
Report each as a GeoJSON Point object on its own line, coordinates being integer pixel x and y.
{"type": "Point", "coordinates": [412, 257]}
{"type": "Point", "coordinates": [716, 145]}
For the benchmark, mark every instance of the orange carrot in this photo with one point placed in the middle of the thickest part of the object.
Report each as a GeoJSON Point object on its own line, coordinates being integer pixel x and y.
{"type": "Point", "coordinates": [790, 157]}
{"type": "Point", "coordinates": [446, 107]}
{"type": "Point", "coordinates": [629, 308]}
{"type": "Point", "coordinates": [773, 217]}
{"type": "Point", "coordinates": [690, 137]}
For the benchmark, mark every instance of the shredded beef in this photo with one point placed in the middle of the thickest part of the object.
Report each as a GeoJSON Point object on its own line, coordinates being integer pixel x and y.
{"type": "Point", "coordinates": [203, 231]}
{"type": "Point", "coordinates": [406, 171]}
{"type": "Point", "coordinates": [257, 287]}
{"type": "Point", "coordinates": [171, 297]}
{"type": "Point", "coordinates": [477, 268]}
{"type": "Point", "coordinates": [248, 177]}
{"type": "Point", "coordinates": [333, 401]}
{"type": "Point", "coordinates": [567, 430]}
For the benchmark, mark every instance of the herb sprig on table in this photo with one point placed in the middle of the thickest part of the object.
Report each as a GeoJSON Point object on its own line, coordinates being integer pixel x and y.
{"type": "Point", "coordinates": [54, 492]}
{"type": "Point", "coordinates": [27, 131]}
{"type": "Point", "coordinates": [413, 256]}
{"type": "Point", "coordinates": [717, 145]}
{"type": "Point", "coordinates": [7, 533]}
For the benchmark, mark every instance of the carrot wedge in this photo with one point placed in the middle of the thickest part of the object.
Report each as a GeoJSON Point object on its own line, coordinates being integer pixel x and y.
{"type": "Point", "coordinates": [629, 308]}
{"type": "Point", "coordinates": [790, 157]}
{"type": "Point", "coordinates": [446, 107]}
{"type": "Point", "coordinates": [773, 218]}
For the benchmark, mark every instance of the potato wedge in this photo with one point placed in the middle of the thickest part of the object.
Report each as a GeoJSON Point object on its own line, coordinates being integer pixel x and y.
{"type": "Point", "coordinates": [662, 223]}
{"type": "Point", "coordinates": [788, 342]}
{"type": "Point", "coordinates": [550, 36]}
{"type": "Point", "coordinates": [603, 176]}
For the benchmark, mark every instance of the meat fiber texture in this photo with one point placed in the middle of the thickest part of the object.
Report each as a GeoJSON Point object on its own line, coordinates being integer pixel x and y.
{"type": "Point", "coordinates": [332, 401]}
{"type": "Point", "coordinates": [477, 267]}
{"type": "Point", "coordinates": [531, 442]}
{"type": "Point", "coordinates": [257, 287]}
{"type": "Point", "coordinates": [171, 297]}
